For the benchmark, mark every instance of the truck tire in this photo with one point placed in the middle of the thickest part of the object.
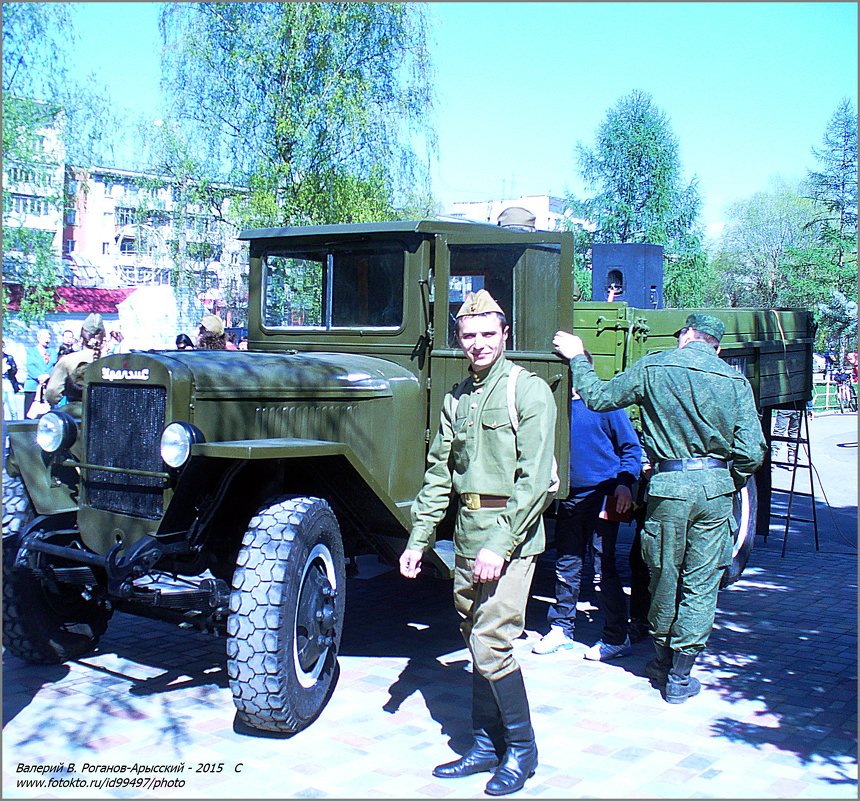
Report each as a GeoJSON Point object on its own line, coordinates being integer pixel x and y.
{"type": "Point", "coordinates": [745, 511]}
{"type": "Point", "coordinates": [43, 622]}
{"type": "Point", "coordinates": [286, 615]}
{"type": "Point", "coordinates": [17, 509]}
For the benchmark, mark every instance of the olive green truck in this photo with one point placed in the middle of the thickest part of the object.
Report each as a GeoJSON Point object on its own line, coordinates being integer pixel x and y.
{"type": "Point", "coordinates": [231, 490]}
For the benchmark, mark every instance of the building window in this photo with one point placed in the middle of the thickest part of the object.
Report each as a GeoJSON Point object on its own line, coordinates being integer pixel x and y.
{"type": "Point", "coordinates": [71, 217]}
{"type": "Point", "coordinates": [128, 247]}
{"type": "Point", "coordinates": [69, 246]}
{"type": "Point", "coordinates": [125, 216]}
{"type": "Point", "coordinates": [105, 248]}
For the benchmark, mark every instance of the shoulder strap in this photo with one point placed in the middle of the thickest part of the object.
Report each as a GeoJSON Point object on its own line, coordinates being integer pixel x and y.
{"type": "Point", "coordinates": [516, 369]}
{"type": "Point", "coordinates": [456, 391]}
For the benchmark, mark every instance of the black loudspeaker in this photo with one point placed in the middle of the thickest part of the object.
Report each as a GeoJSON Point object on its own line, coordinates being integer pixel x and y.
{"type": "Point", "coordinates": [630, 272]}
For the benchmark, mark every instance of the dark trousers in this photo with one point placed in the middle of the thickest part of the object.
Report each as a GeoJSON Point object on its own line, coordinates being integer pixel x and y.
{"type": "Point", "coordinates": [576, 522]}
{"type": "Point", "coordinates": [29, 397]}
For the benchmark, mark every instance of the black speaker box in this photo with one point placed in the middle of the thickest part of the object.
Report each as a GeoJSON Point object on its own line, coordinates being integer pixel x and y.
{"type": "Point", "coordinates": [632, 272]}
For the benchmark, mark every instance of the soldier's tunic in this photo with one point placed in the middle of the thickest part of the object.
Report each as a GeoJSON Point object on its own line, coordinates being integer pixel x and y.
{"type": "Point", "coordinates": [693, 404]}
{"type": "Point", "coordinates": [476, 451]}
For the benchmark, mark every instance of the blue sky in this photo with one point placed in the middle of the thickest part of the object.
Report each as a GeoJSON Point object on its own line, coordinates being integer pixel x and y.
{"type": "Point", "coordinates": [748, 87]}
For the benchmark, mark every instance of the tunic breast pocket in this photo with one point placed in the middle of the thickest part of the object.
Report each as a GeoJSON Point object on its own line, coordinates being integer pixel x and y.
{"type": "Point", "coordinates": [497, 442]}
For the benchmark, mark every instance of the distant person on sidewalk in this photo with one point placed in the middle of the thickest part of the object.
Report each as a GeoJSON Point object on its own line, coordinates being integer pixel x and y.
{"type": "Point", "coordinates": [702, 436]}
{"type": "Point", "coordinates": [40, 360]}
{"type": "Point", "coordinates": [605, 458]}
{"type": "Point", "coordinates": [210, 335]}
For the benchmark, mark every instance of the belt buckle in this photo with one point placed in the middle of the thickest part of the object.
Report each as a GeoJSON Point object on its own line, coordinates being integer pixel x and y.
{"type": "Point", "coordinates": [471, 500]}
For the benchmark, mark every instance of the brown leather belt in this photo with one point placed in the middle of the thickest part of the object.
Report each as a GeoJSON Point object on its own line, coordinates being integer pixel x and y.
{"type": "Point", "coordinates": [473, 501]}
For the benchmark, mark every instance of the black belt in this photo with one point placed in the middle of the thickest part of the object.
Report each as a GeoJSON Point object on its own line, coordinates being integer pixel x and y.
{"type": "Point", "coordinates": [699, 463]}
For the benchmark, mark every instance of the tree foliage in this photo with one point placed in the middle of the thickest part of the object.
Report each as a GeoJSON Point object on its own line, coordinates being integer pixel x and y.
{"type": "Point", "coordinates": [635, 169]}
{"type": "Point", "coordinates": [761, 234]}
{"type": "Point", "coordinates": [315, 108]}
{"type": "Point", "coordinates": [38, 94]}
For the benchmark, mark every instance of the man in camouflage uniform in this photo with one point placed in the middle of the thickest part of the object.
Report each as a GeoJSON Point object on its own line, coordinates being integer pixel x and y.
{"type": "Point", "coordinates": [702, 435]}
{"type": "Point", "coordinates": [500, 477]}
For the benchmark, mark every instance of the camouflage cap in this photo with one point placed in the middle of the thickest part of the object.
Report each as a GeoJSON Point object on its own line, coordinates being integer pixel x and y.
{"type": "Point", "coordinates": [92, 325]}
{"type": "Point", "coordinates": [213, 324]}
{"type": "Point", "coordinates": [480, 302]}
{"type": "Point", "coordinates": [706, 323]}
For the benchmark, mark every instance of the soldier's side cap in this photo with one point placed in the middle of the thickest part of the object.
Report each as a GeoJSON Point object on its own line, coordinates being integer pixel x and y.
{"type": "Point", "coordinates": [481, 302]}
{"type": "Point", "coordinates": [92, 325]}
{"type": "Point", "coordinates": [213, 324]}
{"type": "Point", "coordinates": [706, 323]}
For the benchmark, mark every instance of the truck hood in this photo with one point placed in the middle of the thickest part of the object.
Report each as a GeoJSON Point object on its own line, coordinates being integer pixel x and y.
{"type": "Point", "coordinates": [245, 374]}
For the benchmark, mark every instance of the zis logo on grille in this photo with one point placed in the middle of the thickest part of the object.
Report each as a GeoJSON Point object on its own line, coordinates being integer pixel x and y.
{"type": "Point", "coordinates": [125, 375]}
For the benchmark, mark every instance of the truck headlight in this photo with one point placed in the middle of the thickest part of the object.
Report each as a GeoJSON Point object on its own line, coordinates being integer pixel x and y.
{"type": "Point", "coordinates": [56, 431]}
{"type": "Point", "coordinates": [176, 442]}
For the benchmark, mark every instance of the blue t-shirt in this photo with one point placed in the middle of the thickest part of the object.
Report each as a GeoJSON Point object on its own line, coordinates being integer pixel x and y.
{"type": "Point", "coordinates": [604, 449]}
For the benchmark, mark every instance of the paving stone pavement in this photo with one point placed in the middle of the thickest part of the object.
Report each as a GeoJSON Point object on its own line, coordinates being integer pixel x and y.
{"type": "Point", "coordinates": [777, 716]}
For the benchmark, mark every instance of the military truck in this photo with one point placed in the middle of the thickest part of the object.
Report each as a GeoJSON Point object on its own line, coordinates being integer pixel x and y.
{"type": "Point", "coordinates": [233, 490]}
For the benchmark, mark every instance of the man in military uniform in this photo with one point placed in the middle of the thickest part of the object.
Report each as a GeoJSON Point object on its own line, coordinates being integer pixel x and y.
{"type": "Point", "coordinates": [500, 474]}
{"type": "Point", "coordinates": [702, 435]}
{"type": "Point", "coordinates": [67, 377]}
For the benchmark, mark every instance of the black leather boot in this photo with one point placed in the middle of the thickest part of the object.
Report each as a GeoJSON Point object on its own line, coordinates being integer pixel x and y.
{"type": "Point", "coordinates": [681, 685]}
{"type": "Point", "coordinates": [487, 730]}
{"type": "Point", "coordinates": [658, 669]}
{"type": "Point", "coordinates": [521, 757]}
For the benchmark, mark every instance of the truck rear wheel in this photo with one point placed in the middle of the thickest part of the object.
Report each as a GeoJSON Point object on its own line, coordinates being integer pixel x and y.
{"type": "Point", "coordinates": [745, 511]}
{"type": "Point", "coordinates": [286, 615]}
{"type": "Point", "coordinates": [46, 621]}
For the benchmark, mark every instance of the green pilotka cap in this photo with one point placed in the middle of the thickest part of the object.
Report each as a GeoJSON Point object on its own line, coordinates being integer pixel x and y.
{"type": "Point", "coordinates": [706, 323]}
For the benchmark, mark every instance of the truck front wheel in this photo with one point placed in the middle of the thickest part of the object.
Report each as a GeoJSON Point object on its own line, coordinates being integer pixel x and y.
{"type": "Point", "coordinates": [51, 610]}
{"type": "Point", "coordinates": [286, 615]}
{"type": "Point", "coordinates": [17, 509]}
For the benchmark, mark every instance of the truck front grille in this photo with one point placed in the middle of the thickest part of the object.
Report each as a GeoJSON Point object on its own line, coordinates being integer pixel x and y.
{"type": "Point", "coordinates": [124, 425]}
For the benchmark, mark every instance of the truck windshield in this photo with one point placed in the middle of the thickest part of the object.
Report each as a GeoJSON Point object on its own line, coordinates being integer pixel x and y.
{"type": "Point", "coordinates": [334, 287]}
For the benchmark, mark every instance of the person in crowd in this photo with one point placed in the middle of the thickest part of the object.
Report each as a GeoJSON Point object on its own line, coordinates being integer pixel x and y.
{"type": "Point", "coordinates": [230, 342]}
{"type": "Point", "coordinates": [10, 390]}
{"type": "Point", "coordinates": [183, 342]}
{"type": "Point", "coordinates": [640, 597]}
{"type": "Point", "coordinates": [605, 458]}
{"type": "Point", "coordinates": [243, 343]}
{"type": "Point", "coordinates": [67, 344]}
{"type": "Point", "coordinates": [702, 436]}
{"type": "Point", "coordinates": [786, 424]}
{"type": "Point", "coordinates": [40, 360]}
{"type": "Point", "coordinates": [500, 474]}
{"type": "Point", "coordinates": [66, 382]}
{"type": "Point", "coordinates": [114, 343]}
{"type": "Point", "coordinates": [210, 335]}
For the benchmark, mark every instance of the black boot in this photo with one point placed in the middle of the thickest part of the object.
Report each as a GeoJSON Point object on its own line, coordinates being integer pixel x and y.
{"type": "Point", "coordinates": [658, 669]}
{"type": "Point", "coordinates": [521, 757]}
{"type": "Point", "coordinates": [681, 685]}
{"type": "Point", "coordinates": [487, 729]}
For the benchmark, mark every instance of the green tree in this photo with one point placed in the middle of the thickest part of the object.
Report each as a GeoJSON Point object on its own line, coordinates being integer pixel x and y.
{"type": "Point", "coordinates": [635, 168]}
{"type": "Point", "coordinates": [40, 103]}
{"type": "Point", "coordinates": [315, 108]}
{"type": "Point", "coordinates": [756, 246]}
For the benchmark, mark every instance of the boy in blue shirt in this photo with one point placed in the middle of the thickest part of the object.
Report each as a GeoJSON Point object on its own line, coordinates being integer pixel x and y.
{"type": "Point", "coordinates": [605, 460]}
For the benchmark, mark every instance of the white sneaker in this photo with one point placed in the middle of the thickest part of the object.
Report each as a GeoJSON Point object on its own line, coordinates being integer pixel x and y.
{"type": "Point", "coordinates": [556, 640]}
{"type": "Point", "coordinates": [601, 651]}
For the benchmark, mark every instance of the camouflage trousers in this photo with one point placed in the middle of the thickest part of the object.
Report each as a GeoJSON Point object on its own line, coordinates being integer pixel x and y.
{"type": "Point", "coordinates": [687, 544]}
{"type": "Point", "coordinates": [493, 614]}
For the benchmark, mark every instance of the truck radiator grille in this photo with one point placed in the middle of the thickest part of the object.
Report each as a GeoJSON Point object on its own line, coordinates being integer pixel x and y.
{"type": "Point", "coordinates": [124, 425]}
